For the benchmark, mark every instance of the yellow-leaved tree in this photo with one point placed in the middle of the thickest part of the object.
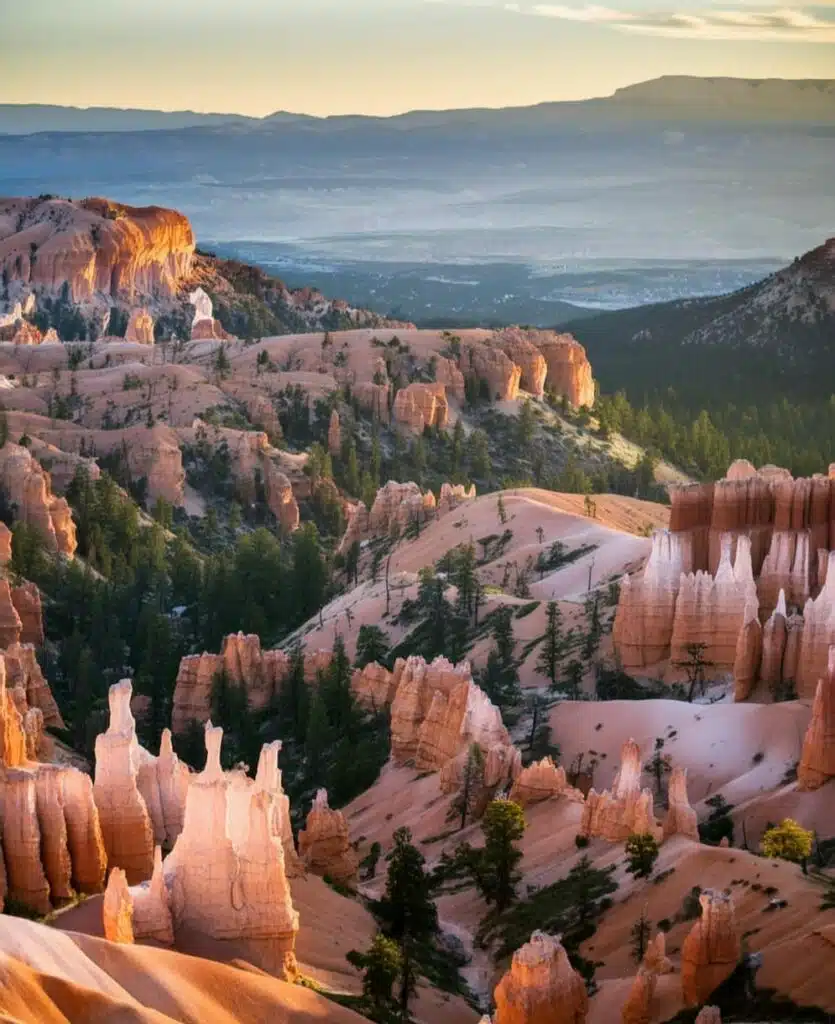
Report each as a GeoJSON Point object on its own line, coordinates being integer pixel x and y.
{"type": "Point", "coordinates": [788, 841]}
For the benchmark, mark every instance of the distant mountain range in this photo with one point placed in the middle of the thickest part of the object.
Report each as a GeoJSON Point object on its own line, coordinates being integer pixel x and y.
{"type": "Point", "coordinates": [771, 340]}
{"type": "Point", "coordinates": [669, 97]}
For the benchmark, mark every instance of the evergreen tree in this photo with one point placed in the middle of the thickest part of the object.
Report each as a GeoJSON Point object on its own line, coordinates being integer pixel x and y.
{"type": "Point", "coordinates": [592, 638]}
{"type": "Point", "coordinates": [500, 680]}
{"type": "Point", "coordinates": [525, 424]}
{"type": "Point", "coordinates": [465, 579]}
{"type": "Point", "coordinates": [553, 645]}
{"type": "Point", "coordinates": [479, 455]}
{"type": "Point", "coordinates": [497, 875]}
{"type": "Point", "coordinates": [309, 571]}
{"type": "Point", "coordinates": [381, 965]}
{"type": "Point", "coordinates": [641, 853]}
{"type": "Point", "coordinates": [501, 511]}
{"type": "Point", "coordinates": [465, 804]}
{"type": "Point", "coordinates": [293, 698]}
{"type": "Point", "coordinates": [640, 934]}
{"type": "Point", "coordinates": [574, 678]}
{"type": "Point", "coordinates": [335, 689]}
{"type": "Point", "coordinates": [317, 742]}
{"type": "Point", "coordinates": [4, 427]}
{"type": "Point", "coordinates": [352, 471]}
{"type": "Point", "coordinates": [659, 765]}
{"type": "Point", "coordinates": [372, 646]}
{"type": "Point", "coordinates": [407, 910]}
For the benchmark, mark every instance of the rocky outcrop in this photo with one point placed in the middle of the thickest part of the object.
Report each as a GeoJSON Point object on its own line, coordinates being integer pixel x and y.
{"type": "Point", "coordinates": [23, 672]}
{"type": "Point", "coordinates": [25, 876]}
{"type": "Point", "coordinates": [681, 819]}
{"type": "Point", "coordinates": [10, 624]}
{"type": "Point", "coordinates": [140, 329]}
{"type": "Point", "coordinates": [616, 814]}
{"type": "Point", "coordinates": [450, 377]}
{"type": "Point", "coordinates": [26, 599]}
{"type": "Point", "coordinates": [374, 399]}
{"type": "Point", "coordinates": [334, 434]}
{"type": "Point", "coordinates": [152, 907]}
{"type": "Point", "coordinates": [711, 950]}
{"type": "Point", "coordinates": [163, 785]}
{"type": "Point", "coordinates": [29, 490]}
{"type": "Point", "coordinates": [154, 453]}
{"type": "Point", "coordinates": [817, 760]}
{"type": "Point", "coordinates": [569, 370]}
{"type": "Point", "coordinates": [226, 872]}
{"type": "Point", "coordinates": [5, 544]}
{"type": "Point", "coordinates": [638, 1008]}
{"type": "Point", "coordinates": [817, 636]}
{"type": "Point", "coordinates": [204, 327]}
{"type": "Point", "coordinates": [709, 1015]}
{"type": "Point", "coordinates": [374, 686]}
{"type": "Point", "coordinates": [501, 376]}
{"type": "Point", "coordinates": [542, 780]}
{"type": "Point", "coordinates": [117, 909]}
{"type": "Point", "coordinates": [325, 844]}
{"type": "Point", "coordinates": [419, 406]}
{"type": "Point", "coordinates": [749, 653]}
{"type": "Point", "coordinates": [655, 958]}
{"type": "Point", "coordinates": [99, 250]}
{"type": "Point", "coordinates": [531, 362]}
{"type": "Point", "coordinates": [126, 824]}
{"type": "Point", "coordinates": [541, 986]}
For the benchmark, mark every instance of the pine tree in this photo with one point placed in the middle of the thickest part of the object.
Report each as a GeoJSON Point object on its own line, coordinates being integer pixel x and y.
{"type": "Point", "coordinates": [293, 698]}
{"type": "Point", "coordinates": [407, 910]}
{"type": "Point", "coordinates": [497, 875]}
{"type": "Point", "coordinates": [309, 571]}
{"type": "Point", "coordinates": [317, 741]}
{"type": "Point", "coordinates": [641, 854]}
{"type": "Point", "coordinates": [640, 934]}
{"type": "Point", "coordinates": [465, 579]}
{"type": "Point", "coordinates": [500, 680]}
{"type": "Point", "coordinates": [372, 646]}
{"type": "Point", "coordinates": [470, 792]}
{"type": "Point", "coordinates": [553, 645]}
{"type": "Point", "coordinates": [659, 765]}
{"type": "Point", "coordinates": [352, 471]}
{"type": "Point", "coordinates": [335, 688]}
{"type": "Point", "coordinates": [574, 678]}
{"type": "Point", "coordinates": [381, 965]}
{"type": "Point", "coordinates": [501, 511]}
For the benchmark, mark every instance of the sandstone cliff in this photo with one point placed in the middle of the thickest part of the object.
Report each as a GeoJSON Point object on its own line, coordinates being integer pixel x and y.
{"type": "Point", "coordinates": [418, 406]}
{"type": "Point", "coordinates": [140, 329]}
{"type": "Point", "coordinates": [97, 249]}
{"type": "Point", "coordinates": [817, 761]}
{"type": "Point", "coordinates": [117, 909]}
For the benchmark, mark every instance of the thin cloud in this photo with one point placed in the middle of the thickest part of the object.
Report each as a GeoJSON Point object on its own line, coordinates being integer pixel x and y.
{"type": "Point", "coordinates": [739, 23]}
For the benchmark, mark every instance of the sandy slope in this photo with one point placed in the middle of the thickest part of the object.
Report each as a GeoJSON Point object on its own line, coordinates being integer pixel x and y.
{"type": "Point", "coordinates": [48, 975]}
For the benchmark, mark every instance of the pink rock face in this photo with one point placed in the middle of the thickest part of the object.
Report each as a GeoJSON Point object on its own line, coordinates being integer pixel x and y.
{"type": "Point", "coordinates": [334, 434]}
{"type": "Point", "coordinates": [749, 652]}
{"type": "Point", "coordinates": [448, 375]}
{"type": "Point", "coordinates": [5, 544]}
{"type": "Point", "coordinates": [125, 822]}
{"type": "Point", "coordinates": [500, 374]}
{"type": "Point", "coordinates": [681, 819]}
{"type": "Point", "coordinates": [163, 784]}
{"type": "Point", "coordinates": [26, 599]}
{"type": "Point", "coordinates": [638, 1008]}
{"type": "Point", "coordinates": [84, 836]}
{"type": "Point", "coordinates": [152, 907]}
{"type": "Point", "coordinates": [140, 329]}
{"type": "Point", "coordinates": [616, 814]}
{"type": "Point", "coordinates": [95, 247]}
{"type": "Point", "coordinates": [374, 685]}
{"type": "Point", "coordinates": [709, 1015]}
{"type": "Point", "coordinates": [375, 399]}
{"type": "Point", "coordinates": [569, 370]}
{"type": "Point", "coordinates": [25, 877]}
{"type": "Point", "coordinates": [541, 986]}
{"type": "Point", "coordinates": [421, 405]}
{"type": "Point", "coordinates": [117, 909]}
{"type": "Point", "coordinates": [13, 746]}
{"type": "Point", "coordinates": [209, 330]}
{"type": "Point", "coordinates": [817, 761]}
{"type": "Point", "coordinates": [655, 958]}
{"type": "Point", "coordinates": [817, 636]}
{"type": "Point", "coordinates": [28, 487]}
{"type": "Point", "coordinates": [226, 871]}
{"type": "Point", "coordinates": [516, 344]}
{"type": "Point", "coordinates": [52, 824]}
{"type": "Point", "coordinates": [10, 624]}
{"type": "Point", "coordinates": [711, 950]}
{"type": "Point", "coordinates": [542, 780]}
{"type": "Point", "coordinates": [325, 843]}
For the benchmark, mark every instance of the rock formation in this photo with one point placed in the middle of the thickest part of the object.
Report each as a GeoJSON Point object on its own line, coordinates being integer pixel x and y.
{"type": "Point", "coordinates": [527, 357]}
{"type": "Point", "coordinates": [709, 1015]}
{"type": "Point", "coordinates": [204, 327]}
{"type": "Point", "coordinates": [152, 907]}
{"type": "Point", "coordinates": [711, 950]}
{"type": "Point", "coordinates": [334, 434]}
{"type": "Point", "coordinates": [749, 653]}
{"type": "Point", "coordinates": [10, 624]}
{"type": "Point", "coordinates": [324, 843]}
{"type": "Point", "coordinates": [817, 761]}
{"type": "Point", "coordinates": [24, 672]}
{"type": "Point", "coordinates": [638, 1008]}
{"type": "Point", "coordinates": [140, 329]}
{"type": "Point", "coordinates": [569, 371]}
{"type": "Point", "coordinates": [418, 406]}
{"type": "Point", "coordinates": [125, 822]}
{"type": "Point", "coordinates": [817, 636]}
{"type": "Point", "coordinates": [655, 957]}
{"type": "Point", "coordinates": [374, 398]}
{"type": "Point", "coordinates": [542, 780]}
{"type": "Point", "coordinates": [29, 489]}
{"type": "Point", "coordinates": [226, 872]}
{"type": "Point", "coordinates": [500, 374]}
{"type": "Point", "coordinates": [101, 251]}
{"type": "Point", "coordinates": [117, 908]}
{"type": "Point", "coordinates": [163, 785]}
{"type": "Point", "coordinates": [681, 819]}
{"type": "Point", "coordinates": [625, 809]}
{"type": "Point", "coordinates": [541, 986]}
{"type": "Point", "coordinates": [26, 599]}
{"type": "Point", "coordinates": [5, 544]}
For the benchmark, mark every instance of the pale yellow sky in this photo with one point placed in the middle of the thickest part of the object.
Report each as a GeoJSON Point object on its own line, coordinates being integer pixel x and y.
{"type": "Point", "coordinates": [384, 56]}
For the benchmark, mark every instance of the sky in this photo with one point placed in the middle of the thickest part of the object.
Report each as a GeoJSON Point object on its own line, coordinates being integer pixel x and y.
{"type": "Point", "coordinates": [386, 56]}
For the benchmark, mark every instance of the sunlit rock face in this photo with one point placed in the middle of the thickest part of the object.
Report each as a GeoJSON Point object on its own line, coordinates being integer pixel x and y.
{"type": "Point", "coordinates": [94, 250]}
{"type": "Point", "coordinates": [226, 872]}
{"type": "Point", "coordinates": [117, 909]}
{"type": "Point", "coordinates": [541, 986]}
{"type": "Point", "coordinates": [817, 760]}
{"type": "Point", "coordinates": [711, 950]}
{"type": "Point", "coordinates": [418, 406]}
{"type": "Point", "coordinates": [681, 819]}
{"type": "Point", "coordinates": [542, 780]}
{"type": "Point", "coordinates": [140, 329]}
{"type": "Point", "coordinates": [325, 843]}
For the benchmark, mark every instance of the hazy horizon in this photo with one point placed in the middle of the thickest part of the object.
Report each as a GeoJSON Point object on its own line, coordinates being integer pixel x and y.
{"type": "Point", "coordinates": [383, 57]}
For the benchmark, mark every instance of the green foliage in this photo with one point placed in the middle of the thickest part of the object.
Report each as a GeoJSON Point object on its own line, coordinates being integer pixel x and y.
{"type": "Point", "coordinates": [553, 645]}
{"type": "Point", "coordinates": [372, 646]}
{"type": "Point", "coordinates": [466, 802]}
{"type": "Point", "coordinates": [788, 841]}
{"type": "Point", "coordinates": [500, 679]}
{"type": "Point", "coordinates": [381, 965]}
{"type": "Point", "coordinates": [496, 873]}
{"type": "Point", "coordinates": [641, 854]}
{"type": "Point", "coordinates": [640, 935]}
{"type": "Point", "coordinates": [719, 824]}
